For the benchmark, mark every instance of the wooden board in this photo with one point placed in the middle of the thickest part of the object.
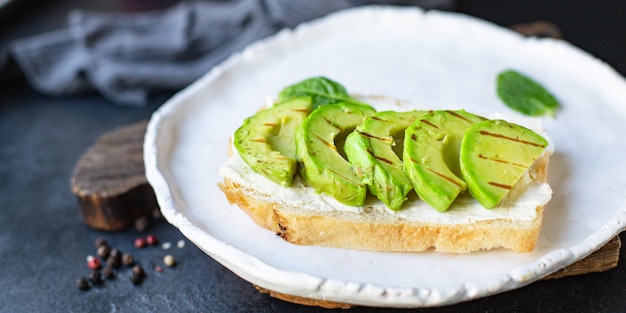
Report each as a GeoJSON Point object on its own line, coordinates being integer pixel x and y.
{"type": "Point", "coordinates": [110, 181]}
{"type": "Point", "coordinates": [601, 260]}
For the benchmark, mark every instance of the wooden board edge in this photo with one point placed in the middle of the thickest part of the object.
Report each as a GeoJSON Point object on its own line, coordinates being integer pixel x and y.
{"type": "Point", "coordinates": [601, 260]}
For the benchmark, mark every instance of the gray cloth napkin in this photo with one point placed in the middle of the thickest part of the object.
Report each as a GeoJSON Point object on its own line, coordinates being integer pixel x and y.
{"type": "Point", "coordinates": [126, 56]}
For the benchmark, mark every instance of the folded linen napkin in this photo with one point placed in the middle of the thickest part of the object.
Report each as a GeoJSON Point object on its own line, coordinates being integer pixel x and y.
{"type": "Point", "coordinates": [124, 56]}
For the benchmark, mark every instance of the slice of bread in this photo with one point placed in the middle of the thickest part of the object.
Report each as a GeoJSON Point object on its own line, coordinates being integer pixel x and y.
{"type": "Point", "coordinates": [301, 216]}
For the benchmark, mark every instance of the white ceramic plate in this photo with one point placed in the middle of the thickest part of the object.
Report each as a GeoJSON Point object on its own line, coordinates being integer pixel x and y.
{"type": "Point", "coordinates": [442, 60]}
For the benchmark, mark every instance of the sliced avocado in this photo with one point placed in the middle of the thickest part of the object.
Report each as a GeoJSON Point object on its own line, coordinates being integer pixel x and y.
{"type": "Point", "coordinates": [494, 155]}
{"type": "Point", "coordinates": [371, 149]}
{"type": "Point", "coordinates": [321, 163]}
{"type": "Point", "coordinates": [265, 141]}
{"type": "Point", "coordinates": [431, 155]}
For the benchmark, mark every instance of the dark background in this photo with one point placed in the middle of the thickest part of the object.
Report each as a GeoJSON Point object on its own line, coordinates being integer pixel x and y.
{"type": "Point", "coordinates": [44, 242]}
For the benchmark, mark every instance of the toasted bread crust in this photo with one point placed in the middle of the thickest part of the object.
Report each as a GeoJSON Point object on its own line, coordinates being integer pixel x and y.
{"type": "Point", "coordinates": [354, 230]}
{"type": "Point", "coordinates": [375, 233]}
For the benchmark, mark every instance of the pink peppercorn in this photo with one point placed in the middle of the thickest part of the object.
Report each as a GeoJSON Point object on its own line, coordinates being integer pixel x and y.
{"type": "Point", "coordinates": [152, 240]}
{"type": "Point", "coordinates": [140, 242]}
{"type": "Point", "coordinates": [93, 262]}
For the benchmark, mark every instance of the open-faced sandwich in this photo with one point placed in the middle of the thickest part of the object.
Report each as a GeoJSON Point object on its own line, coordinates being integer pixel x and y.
{"type": "Point", "coordinates": [322, 167]}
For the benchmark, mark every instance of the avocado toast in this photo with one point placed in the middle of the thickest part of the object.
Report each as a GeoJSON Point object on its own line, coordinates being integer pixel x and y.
{"type": "Point", "coordinates": [353, 188]}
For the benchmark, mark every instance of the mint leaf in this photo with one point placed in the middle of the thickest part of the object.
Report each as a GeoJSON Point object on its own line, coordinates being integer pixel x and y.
{"type": "Point", "coordinates": [321, 90]}
{"type": "Point", "coordinates": [524, 95]}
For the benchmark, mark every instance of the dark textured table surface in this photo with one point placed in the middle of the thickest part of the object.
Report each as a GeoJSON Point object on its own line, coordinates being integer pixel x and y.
{"type": "Point", "coordinates": [44, 243]}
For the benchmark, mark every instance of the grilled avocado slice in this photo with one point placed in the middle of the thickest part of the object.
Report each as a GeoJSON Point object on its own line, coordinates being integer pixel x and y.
{"type": "Point", "coordinates": [374, 150]}
{"type": "Point", "coordinates": [431, 155]}
{"type": "Point", "coordinates": [321, 162]}
{"type": "Point", "coordinates": [266, 143]}
{"type": "Point", "coordinates": [494, 156]}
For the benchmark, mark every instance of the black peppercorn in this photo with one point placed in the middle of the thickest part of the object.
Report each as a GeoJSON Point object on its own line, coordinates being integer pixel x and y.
{"type": "Point", "coordinates": [96, 278]}
{"type": "Point", "coordinates": [82, 283]}
{"type": "Point", "coordinates": [100, 242]}
{"type": "Point", "coordinates": [136, 279]}
{"type": "Point", "coordinates": [108, 273]}
{"type": "Point", "coordinates": [113, 261]}
{"type": "Point", "coordinates": [104, 251]}
{"type": "Point", "coordinates": [115, 252]}
{"type": "Point", "coordinates": [138, 275]}
{"type": "Point", "coordinates": [138, 270]}
{"type": "Point", "coordinates": [115, 258]}
{"type": "Point", "coordinates": [128, 259]}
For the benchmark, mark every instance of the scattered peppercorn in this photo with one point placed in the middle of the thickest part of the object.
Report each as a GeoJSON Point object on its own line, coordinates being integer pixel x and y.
{"type": "Point", "coordinates": [116, 253]}
{"type": "Point", "coordinates": [169, 260]}
{"type": "Point", "coordinates": [136, 280]}
{"type": "Point", "coordinates": [152, 240]}
{"type": "Point", "coordinates": [108, 272]}
{"type": "Point", "coordinates": [115, 258]}
{"type": "Point", "coordinates": [96, 278]}
{"type": "Point", "coordinates": [93, 262]}
{"type": "Point", "coordinates": [100, 242]}
{"type": "Point", "coordinates": [138, 270]}
{"type": "Point", "coordinates": [104, 251]}
{"type": "Point", "coordinates": [128, 259]}
{"type": "Point", "coordinates": [138, 275]}
{"type": "Point", "coordinates": [82, 283]}
{"type": "Point", "coordinates": [140, 242]}
{"type": "Point", "coordinates": [114, 261]}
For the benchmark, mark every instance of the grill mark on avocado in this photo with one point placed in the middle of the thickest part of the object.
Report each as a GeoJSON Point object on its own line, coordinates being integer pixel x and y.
{"type": "Point", "coordinates": [352, 197]}
{"type": "Point", "coordinates": [300, 110]}
{"type": "Point", "coordinates": [379, 157]}
{"type": "Point", "coordinates": [330, 145]}
{"type": "Point", "coordinates": [427, 122]}
{"type": "Point", "coordinates": [503, 186]}
{"type": "Point", "coordinates": [481, 156]}
{"type": "Point", "coordinates": [261, 140]}
{"type": "Point", "coordinates": [457, 115]}
{"type": "Point", "coordinates": [270, 124]}
{"type": "Point", "coordinates": [383, 159]}
{"type": "Point", "coordinates": [448, 178]}
{"type": "Point", "coordinates": [373, 137]}
{"type": "Point", "coordinates": [340, 174]}
{"type": "Point", "coordinates": [331, 123]}
{"type": "Point", "coordinates": [376, 118]}
{"type": "Point", "coordinates": [486, 133]}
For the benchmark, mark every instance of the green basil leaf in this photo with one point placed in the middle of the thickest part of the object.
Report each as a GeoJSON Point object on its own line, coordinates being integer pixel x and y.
{"type": "Point", "coordinates": [524, 95]}
{"type": "Point", "coordinates": [321, 90]}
